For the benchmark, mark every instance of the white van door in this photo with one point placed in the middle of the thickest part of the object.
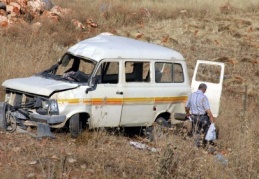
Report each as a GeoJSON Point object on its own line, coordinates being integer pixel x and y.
{"type": "Point", "coordinates": [139, 94]}
{"type": "Point", "coordinates": [212, 74]}
{"type": "Point", "coordinates": [107, 98]}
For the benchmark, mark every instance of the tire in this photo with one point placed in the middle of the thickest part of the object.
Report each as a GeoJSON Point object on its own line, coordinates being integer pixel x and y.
{"type": "Point", "coordinates": [75, 126]}
{"type": "Point", "coordinates": [157, 130]}
{"type": "Point", "coordinates": [3, 124]}
{"type": "Point", "coordinates": [162, 122]}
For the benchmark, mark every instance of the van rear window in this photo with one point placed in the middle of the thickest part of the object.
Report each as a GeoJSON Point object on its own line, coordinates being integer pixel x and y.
{"type": "Point", "coordinates": [168, 72]}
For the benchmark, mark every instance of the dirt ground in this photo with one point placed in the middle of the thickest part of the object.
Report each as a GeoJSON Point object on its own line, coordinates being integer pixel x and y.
{"type": "Point", "coordinates": [229, 37]}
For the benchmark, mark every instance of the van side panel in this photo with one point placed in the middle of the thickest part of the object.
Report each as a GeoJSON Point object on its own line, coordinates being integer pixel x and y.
{"type": "Point", "coordinates": [72, 102]}
{"type": "Point", "coordinates": [173, 89]}
{"type": "Point", "coordinates": [138, 104]}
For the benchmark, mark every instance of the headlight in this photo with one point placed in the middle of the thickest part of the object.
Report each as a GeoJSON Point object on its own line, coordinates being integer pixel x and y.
{"type": "Point", "coordinates": [45, 105]}
{"type": "Point", "coordinates": [53, 107]}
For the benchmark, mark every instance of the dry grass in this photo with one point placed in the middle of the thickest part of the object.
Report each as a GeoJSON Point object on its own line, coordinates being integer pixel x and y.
{"type": "Point", "coordinates": [214, 30]}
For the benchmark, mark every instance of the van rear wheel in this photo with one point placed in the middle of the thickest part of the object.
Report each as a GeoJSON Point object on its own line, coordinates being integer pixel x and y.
{"type": "Point", "coordinates": [75, 126]}
{"type": "Point", "coordinates": [159, 128]}
{"type": "Point", "coordinates": [162, 122]}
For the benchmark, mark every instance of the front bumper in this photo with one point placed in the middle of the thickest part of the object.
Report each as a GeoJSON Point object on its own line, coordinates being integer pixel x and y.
{"type": "Point", "coordinates": [54, 119]}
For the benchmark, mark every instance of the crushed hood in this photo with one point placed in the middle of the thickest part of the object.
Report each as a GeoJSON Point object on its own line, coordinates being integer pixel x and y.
{"type": "Point", "coordinates": [37, 85]}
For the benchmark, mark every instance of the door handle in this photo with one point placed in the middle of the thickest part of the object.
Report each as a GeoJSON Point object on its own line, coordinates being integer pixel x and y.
{"type": "Point", "coordinates": [119, 92]}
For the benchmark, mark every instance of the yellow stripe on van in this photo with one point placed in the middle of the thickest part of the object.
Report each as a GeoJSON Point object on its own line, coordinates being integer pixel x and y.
{"type": "Point", "coordinates": [120, 101]}
{"type": "Point", "coordinates": [138, 100]}
{"type": "Point", "coordinates": [107, 101]}
{"type": "Point", "coordinates": [171, 99]}
{"type": "Point", "coordinates": [87, 101]}
{"type": "Point", "coordinates": [69, 101]}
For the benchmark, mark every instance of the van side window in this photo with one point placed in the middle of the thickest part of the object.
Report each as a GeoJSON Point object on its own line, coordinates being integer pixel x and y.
{"type": "Point", "coordinates": [178, 73]}
{"type": "Point", "coordinates": [137, 71]}
{"type": "Point", "coordinates": [108, 72]}
{"type": "Point", "coordinates": [168, 72]}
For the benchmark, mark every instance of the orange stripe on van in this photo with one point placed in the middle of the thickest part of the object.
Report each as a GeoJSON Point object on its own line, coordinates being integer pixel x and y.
{"type": "Point", "coordinates": [138, 100]}
{"type": "Point", "coordinates": [171, 99]}
{"type": "Point", "coordinates": [120, 101]}
{"type": "Point", "coordinates": [108, 101]}
{"type": "Point", "coordinates": [87, 101]}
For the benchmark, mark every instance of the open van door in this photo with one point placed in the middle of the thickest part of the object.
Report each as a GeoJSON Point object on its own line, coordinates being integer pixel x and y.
{"type": "Point", "coordinates": [212, 74]}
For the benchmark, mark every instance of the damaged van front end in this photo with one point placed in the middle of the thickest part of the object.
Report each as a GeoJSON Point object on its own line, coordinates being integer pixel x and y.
{"type": "Point", "coordinates": [27, 103]}
{"type": "Point", "coordinates": [39, 100]}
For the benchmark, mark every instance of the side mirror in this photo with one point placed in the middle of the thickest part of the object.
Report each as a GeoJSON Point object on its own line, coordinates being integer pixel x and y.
{"type": "Point", "coordinates": [65, 60]}
{"type": "Point", "coordinates": [93, 84]}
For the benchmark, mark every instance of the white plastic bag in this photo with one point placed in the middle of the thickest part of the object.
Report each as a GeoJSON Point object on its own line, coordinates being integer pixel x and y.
{"type": "Point", "coordinates": [211, 134]}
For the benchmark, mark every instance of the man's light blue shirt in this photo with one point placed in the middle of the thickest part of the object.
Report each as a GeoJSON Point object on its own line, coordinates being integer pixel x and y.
{"type": "Point", "coordinates": [198, 103]}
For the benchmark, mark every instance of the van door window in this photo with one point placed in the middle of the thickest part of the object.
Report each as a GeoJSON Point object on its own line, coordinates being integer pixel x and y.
{"type": "Point", "coordinates": [168, 73]}
{"type": "Point", "coordinates": [137, 71]}
{"type": "Point", "coordinates": [108, 72]}
{"type": "Point", "coordinates": [208, 73]}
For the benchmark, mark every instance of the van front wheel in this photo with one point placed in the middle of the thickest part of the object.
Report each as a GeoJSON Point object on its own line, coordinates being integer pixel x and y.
{"type": "Point", "coordinates": [75, 126]}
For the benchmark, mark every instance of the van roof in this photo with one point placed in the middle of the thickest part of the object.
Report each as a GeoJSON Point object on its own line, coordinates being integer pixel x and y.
{"type": "Point", "coordinates": [106, 46]}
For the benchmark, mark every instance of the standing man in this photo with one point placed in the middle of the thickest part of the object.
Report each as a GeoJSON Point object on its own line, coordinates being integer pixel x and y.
{"type": "Point", "coordinates": [201, 115]}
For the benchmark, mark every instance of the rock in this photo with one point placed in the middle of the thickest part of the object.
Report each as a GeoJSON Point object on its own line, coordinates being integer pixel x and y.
{"type": "Point", "coordinates": [71, 160]}
{"type": "Point", "coordinates": [46, 15]}
{"type": "Point", "coordinates": [90, 171]}
{"type": "Point", "coordinates": [3, 21]}
{"type": "Point", "coordinates": [61, 12]}
{"type": "Point", "coordinates": [54, 157]}
{"type": "Point", "coordinates": [36, 27]}
{"type": "Point", "coordinates": [3, 12]}
{"type": "Point", "coordinates": [16, 8]}
{"type": "Point", "coordinates": [220, 158]}
{"type": "Point", "coordinates": [48, 4]}
{"type": "Point", "coordinates": [211, 150]}
{"type": "Point", "coordinates": [68, 153]}
{"type": "Point", "coordinates": [36, 6]}
{"type": "Point", "coordinates": [78, 25]}
{"type": "Point", "coordinates": [83, 166]}
{"type": "Point", "coordinates": [33, 162]}
{"type": "Point", "coordinates": [2, 6]}
{"type": "Point", "coordinates": [91, 23]}
{"type": "Point", "coordinates": [31, 175]}
{"type": "Point", "coordinates": [16, 149]}
{"type": "Point", "coordinates": [124, 175]}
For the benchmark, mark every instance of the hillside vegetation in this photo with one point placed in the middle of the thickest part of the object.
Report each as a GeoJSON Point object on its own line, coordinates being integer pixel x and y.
{"type": "Point", "coordinates": [224, 31]}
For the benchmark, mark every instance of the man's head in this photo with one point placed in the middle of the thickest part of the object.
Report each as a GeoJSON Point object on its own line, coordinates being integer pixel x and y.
{"type": "Point", "coordinates": [203, 87]}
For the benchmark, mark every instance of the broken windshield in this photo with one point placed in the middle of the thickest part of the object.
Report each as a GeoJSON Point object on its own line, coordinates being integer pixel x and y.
{"type": "Point", "coordinates": [71, 68]}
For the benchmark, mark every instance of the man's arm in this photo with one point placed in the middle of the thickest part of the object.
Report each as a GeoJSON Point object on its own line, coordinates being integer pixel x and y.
{"type": "Point", "coordinates": [187, 110]}
{"type": "Point", "coordinates": [188, 106]}
{"type": "Point", "coordinates": [206, 106]}
{"type": "Point", "coordinates": [210, 115]}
